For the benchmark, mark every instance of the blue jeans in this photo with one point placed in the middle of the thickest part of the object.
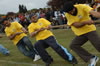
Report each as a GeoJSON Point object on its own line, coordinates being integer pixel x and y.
{"type": "Point", "coordinates": [25, 46]}
{"type": "Point", "coordinates": [4, 50]}
{"type": "Point", "coordinates": [41, 46]}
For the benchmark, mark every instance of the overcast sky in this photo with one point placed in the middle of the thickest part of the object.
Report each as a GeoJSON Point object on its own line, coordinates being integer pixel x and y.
{"type": "Point", "coordinates": [12, 5]}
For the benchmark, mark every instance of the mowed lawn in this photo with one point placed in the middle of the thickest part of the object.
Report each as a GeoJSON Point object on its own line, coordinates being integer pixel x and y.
{"type": "Point", "coordinates": [63, 36]}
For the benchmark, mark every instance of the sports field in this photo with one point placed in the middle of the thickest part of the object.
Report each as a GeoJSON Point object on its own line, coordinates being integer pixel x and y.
{"type": "Point", "coordinates": [64, 37]}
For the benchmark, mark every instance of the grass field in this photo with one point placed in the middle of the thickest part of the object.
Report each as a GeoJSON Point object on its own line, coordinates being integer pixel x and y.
{"type": "Point", "coordinates": [64, 37]}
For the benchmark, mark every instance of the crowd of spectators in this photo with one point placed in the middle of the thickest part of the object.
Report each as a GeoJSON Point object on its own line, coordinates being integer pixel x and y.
{"type": "Point", "coordinates": [55, 16]}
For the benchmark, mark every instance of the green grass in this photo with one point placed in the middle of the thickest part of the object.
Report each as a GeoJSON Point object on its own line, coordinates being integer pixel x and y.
{"type": "Point", "coordinates": [63, 36]}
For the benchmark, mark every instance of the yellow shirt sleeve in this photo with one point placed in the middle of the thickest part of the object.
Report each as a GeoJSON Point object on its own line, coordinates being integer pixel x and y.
{"type": "Point", "coordinates": [70, 19]}
{"type": "Point", "coordinates": [30, 28]}
{"type": "Point", "coordinates": [19, 26]}
{"type": "Point", "coordinates": [45, 22]}
{"type": "Point", "coordinates": [86, 8]}
{"type": "Point", "coordinates": [8, 33]}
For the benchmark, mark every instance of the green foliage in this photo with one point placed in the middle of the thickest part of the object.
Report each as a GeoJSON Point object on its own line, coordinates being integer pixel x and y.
{"type": "Point", "coordinates": [59, 3]}
{"type": "Point", "coordinates": [22, 9]}
{"type": "Point", "coordinates": [2, 15]}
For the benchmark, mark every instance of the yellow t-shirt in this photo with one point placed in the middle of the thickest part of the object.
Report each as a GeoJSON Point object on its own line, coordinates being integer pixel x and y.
{"type": "Point", "coordinates": [39, 24]}
{"type": "Point", "coordinates": [96, 0]}
{"type": "Point", "coordinates": [82, 15]}
{"type": "Point", "coordinates": [15, 27]}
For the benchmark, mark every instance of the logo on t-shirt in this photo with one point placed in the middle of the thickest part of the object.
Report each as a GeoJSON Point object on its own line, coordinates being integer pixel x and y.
{"type": "Point", "coordinates": [79, 16]}
{"type": "Point", "coordinates": [40, 24]}
{"type": "Point", "coordinates": [13, 30]}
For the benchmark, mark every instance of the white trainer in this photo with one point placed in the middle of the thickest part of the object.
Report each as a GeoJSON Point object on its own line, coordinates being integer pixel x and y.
{"type": "Point", "coordinates": [93, 61]}
{"type": "Point", "coordinates": [37, 57]}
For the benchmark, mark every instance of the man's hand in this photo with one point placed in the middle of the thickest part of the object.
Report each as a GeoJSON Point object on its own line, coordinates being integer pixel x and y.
{"type": "Point", "coordinates": [24, 30]}
{"type": "Point", "coordinates": [89, 22]}
{"type": "Point", "coordinates": [36, 31]}
{"type": "Point", "coordinates": [18, 33]}
{"type": "Point", "coordinates": [81, 24]}
{"type": "Point", "coordinates": [11, 37]}
{"type": "Point", "coordinates": [41, 29]}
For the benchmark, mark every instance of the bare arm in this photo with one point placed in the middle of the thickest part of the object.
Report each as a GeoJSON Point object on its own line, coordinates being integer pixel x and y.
{"type": "Point", "coordinates": [36, 32]}
{"type": "Point", "coordinates": [49, 27]}
{"type": "Point", "coordinates": [12, 36]}
{"type": "Point", "coordinates": [24, 30]}
{"type": "Point", "coordinates": [81, 24]}
{"type": "Point", "coordinates": [95, 14]}
{"type": "Point", "coordinates": [89, 22]}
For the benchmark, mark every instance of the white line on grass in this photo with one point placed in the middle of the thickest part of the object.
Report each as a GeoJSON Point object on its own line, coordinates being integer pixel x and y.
{"type": "Point", "coordinates": [30, 64]}
{"type": "Point", "coordinates": [12, 62]}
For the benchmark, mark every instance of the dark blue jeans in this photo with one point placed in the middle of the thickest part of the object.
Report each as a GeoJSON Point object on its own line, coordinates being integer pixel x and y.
{"type": "Point", "coordinates": [25, 46]}
{"type": "Point", "coordinates": [41, 46]}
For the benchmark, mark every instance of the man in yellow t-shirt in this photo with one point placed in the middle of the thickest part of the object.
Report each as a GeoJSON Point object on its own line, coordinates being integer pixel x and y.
{"type": "Point", "coordinates": [40, 28]}
{"type": "Point", "coordinates": [17, 34]}
{"type": "Point", "coordinates": [78, 17]}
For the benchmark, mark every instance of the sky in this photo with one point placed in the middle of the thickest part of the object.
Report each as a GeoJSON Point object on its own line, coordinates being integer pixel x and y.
{"type": "Point", "coordinates": [12, 5]}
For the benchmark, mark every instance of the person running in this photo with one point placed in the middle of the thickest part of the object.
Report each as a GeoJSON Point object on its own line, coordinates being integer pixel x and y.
{"type": "Point", "coordinates": [40, 29]}
{"type": "Point", "coordinates": [78, 17]}
{"type": "Point", "coordinates": [17, 34]}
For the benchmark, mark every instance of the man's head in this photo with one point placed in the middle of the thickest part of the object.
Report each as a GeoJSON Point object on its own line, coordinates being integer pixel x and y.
{"type": "Point", "coordinates": [11, 15]}
{"type": "Point", "coordinates": [69, 8]}
{"type": "Point", "coordinates": [34, 18]}
{"type": "Point", "coordinates": [6, 22]}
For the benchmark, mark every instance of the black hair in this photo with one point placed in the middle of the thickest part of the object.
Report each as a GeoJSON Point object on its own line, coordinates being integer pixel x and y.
{"type": "Point", "coordinates": [33, 15]}
{"type": "Point", "coordinates": [68, 6]}
{"type": "Point", "coordinates": [10, 14]}
{"type": "Point", "coordinates": [4, 19]}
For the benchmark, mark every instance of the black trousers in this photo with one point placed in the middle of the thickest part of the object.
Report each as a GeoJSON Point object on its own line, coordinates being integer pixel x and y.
{"type": "Point", "coordinates": [41, 45]}
{"type": "Point", "coordinates": [78, 41]}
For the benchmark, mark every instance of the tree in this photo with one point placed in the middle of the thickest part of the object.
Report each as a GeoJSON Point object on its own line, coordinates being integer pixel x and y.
{"type": "Point", "coordinates": [56, 3]}
{"type": "Point", "coordinates": [59, 3]}
{"type": "Point", "coordinates": [22, 9]}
